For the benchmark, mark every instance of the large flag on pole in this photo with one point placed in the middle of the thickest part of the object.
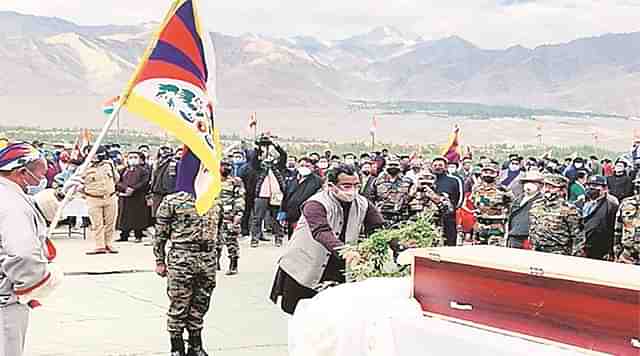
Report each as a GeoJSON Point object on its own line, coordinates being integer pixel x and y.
{"type": "Point", "coordinates": [174, 87]}
{"type": "Point", "coordinates": [452, 150]}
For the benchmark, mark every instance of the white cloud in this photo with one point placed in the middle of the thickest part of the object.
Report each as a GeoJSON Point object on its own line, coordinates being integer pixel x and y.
{"type": "Point", "coordinates": [488, 23]}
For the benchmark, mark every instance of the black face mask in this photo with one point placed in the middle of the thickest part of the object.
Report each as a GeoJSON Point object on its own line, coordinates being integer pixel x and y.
{"type": "Point", "coordinates": [366, 173]}
{"type": "Point", "coordinates": [438, 171]}
{"type": "Point", "coordinates": [393, 171]}
{"type": "Point", "coordinates": [592, 193]}
{"type": "Point", "coordinates": [489, 179]}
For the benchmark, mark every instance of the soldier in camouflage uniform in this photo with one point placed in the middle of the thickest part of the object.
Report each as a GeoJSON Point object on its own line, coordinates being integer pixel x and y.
{"type": "Point", "coordinates": [626, 244]}
{"type": "Point", "coordinates": [190, 266]}
{"type": "Point", "coordinates": [492, 202]}
{"type": "Point", "coordinates": [391, 194]}
{"type": "Point", "coordinates": [231, 203]}
{"type": "Point", "coordinates": [556, 225]}
{"type": "Point", "coordinates": [424, 201]}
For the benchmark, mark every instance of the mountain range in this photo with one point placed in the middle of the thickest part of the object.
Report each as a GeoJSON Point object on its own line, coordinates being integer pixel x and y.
{"type": "Point", "coordinates": [44, 56]}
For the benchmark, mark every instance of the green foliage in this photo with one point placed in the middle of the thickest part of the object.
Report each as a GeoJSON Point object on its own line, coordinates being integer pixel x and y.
{"type": "Point", "coordinates": [372, 257]}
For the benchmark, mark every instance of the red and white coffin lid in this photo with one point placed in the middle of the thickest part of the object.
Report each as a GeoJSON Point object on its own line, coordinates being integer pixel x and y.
{"type": "Point", "coordinates": [541, 264]}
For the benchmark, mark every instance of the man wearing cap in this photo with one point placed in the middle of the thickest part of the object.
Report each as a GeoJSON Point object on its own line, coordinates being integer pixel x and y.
{"type": "Point", "coordinates": [492, 201]}
{"type": "Point", "coordinates": [100, 193]}
{"type": "Point", "coordinates": [518, 236]}
{"type": "Point", "coordinates": [599, 213]}
{"type": "Point", "coordinates": [555, 225]}
{"type": "Point", "coordinates": [27, 274]}
{"type": "Point", "coordinates": [391, 193]}
{"type": "Point", "coordinates": [452, 187]}
{"type": "Point", "coordinates": [626, 245]}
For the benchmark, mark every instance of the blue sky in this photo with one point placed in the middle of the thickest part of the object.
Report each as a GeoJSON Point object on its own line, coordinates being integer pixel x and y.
{"type": "Point", "coordinates": [487, 23]}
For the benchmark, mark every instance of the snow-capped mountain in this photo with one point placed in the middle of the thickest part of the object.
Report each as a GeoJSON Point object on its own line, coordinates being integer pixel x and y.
{"type": "Point", "coordinates": [50, 56]}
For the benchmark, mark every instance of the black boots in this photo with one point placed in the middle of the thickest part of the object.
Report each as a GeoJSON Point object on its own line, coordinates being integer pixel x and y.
{"type": "Point", "coordinates": [233, 267]}
{"type": "Point", "coordinates": [177, 346]}
{"type": "Point", "coordinates": [195, 345]}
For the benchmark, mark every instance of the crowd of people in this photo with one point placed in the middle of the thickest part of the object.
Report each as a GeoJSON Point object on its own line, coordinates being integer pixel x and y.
{"type": "Point", "coordinates": [583, 207]}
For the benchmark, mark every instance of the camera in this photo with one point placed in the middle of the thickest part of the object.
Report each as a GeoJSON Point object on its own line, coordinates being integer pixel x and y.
{"type": "Point", "coordinates": [264, 140]}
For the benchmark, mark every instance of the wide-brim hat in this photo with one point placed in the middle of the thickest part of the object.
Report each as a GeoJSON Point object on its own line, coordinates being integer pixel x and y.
{"type": "Point", "coordinates": [532, 176]}
{"type": "Point", "coordinates": [556, 180]}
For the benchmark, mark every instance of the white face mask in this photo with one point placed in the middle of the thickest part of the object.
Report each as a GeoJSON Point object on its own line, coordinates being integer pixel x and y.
{"type": "Point", "coordinates": [452, 170]}
{"type": "Point", "coordinates": [349, 161]}
{"type": "Point", "coordinates": [530, 188]}
{"type": "Point", "coordinates": [346, 196]}
{"type": "Point", "coordinates": [514, 167]}
{"type": "Point", "coordinates": [133, 162]}
{"type": "Point", "coordinates": [304, 171]}
{"type": "Point", "coordinates": [578, 165]}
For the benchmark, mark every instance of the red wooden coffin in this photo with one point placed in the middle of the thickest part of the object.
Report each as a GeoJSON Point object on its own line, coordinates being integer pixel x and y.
{"type": "Point", "coordinates": [589, 304]}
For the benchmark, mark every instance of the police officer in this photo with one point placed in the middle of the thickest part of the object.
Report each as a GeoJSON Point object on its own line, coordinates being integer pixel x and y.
{"type": "Point", "coordinates": [555, 225]}
{"type": "Point", "coordinates": [190, 266]}
{"type": "Point", "coordinates": [99, 191]}
{"type": "Point", "coordinates": [231, 203]}
{"type": "Point", "coordinates": [492, 202]}
{"type": "Point", "coordinates": [627, 229]}
{"type": "Point", "coordinates": [391, 194]}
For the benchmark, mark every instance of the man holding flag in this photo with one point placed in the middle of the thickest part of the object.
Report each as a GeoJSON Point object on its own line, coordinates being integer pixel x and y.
{"type": "Point", "coordinates": [174, 87]}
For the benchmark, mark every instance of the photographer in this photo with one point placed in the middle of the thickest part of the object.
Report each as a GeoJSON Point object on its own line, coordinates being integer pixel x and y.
{"type": "Point", "coordinates": [268, 174]}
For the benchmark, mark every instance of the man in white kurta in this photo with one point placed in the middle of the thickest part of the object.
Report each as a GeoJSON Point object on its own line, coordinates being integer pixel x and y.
{"type": "Point", "coordinates": [26, 271]}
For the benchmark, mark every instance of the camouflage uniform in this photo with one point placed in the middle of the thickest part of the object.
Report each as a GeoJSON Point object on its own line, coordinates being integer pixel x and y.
{"type": "Point", "coordinates": [231, 205]}
{"type": "Point", "coordinates": [391, 197]}
{"type": "Point", "coordinates": [627, 231]}
{"type": "Point", "coordinates": [556, 225]}
{"type": "Point", "coordinates": [191, 261]}
{"type": "Point", "coordinates": [492, 202]}
{"type": "Point", "coordinates": [424, 201]}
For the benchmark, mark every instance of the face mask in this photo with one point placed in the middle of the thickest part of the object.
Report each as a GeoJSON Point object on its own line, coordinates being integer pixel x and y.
{"type": "Point", "coordinates": [514, 167]}
{"type": "Point", "coordinates": [550, 195]}
{"type": "Point", "coordinates": [578, 165]}
{"type": "Point", "coordinates": [323, 165]}
{"type": "Point", "coordinates": [592, 193]}
{"type": "Point", "coordinates": [291, 165]}
{"type": "Point", "coordinates": [225, 171]}
{"type": "Point", "coordinates": [366, 173]}
{"type": "Point", "coordinates": [530, 188]}
{"type": "Point", "coordinates": [452, 170]}
{"type": "Point", "coordinates": [393, 171]}
{"type": "Point", "coordinates": [349, 161]}
{"type": "Point", "coordinates": [488, 179]}
{"type": "Point", "coordinates": [345, 196]}
{"type": "Point", "coordinates": [35, 189]}
{"type": "Point", "coordinates": [133, 162]}
{"type": "Point", "coordinates": [618, 170]}
{"type": "Point", "coordinates": [304, 171]}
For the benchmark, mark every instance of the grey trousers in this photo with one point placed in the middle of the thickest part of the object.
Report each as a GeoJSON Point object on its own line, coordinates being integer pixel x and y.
{"type": "Point", "coordinates": [261, 209]}
{"type": "Point", "coordinates": [14, 319]}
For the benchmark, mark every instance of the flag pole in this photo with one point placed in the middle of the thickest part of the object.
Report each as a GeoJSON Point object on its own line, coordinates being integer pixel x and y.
{"type": "Point", "coordinates": [83, 167]}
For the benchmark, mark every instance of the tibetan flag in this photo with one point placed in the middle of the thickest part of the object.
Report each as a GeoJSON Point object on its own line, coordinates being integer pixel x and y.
{"type": "Point", "coordinates": [82, 141]}
{"type": "Point", "coordinates": [109, 105]}
{"type": "Point", "coordinates": [174, 87]}
{"type": "Point", "coordinates": [452, 150]}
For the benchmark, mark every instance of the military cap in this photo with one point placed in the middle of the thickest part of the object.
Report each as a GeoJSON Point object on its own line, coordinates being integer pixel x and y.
{"type": "Point", "coordinates": [532, 176]}
{"type": "Point", "coordinates": [556, 180]}
{"type": "Point", "coordinates": [597, 180]}
{"type": "Point", "coordinates": [476, 170]}
{"type": "Point", "coordinates": [491, 166]}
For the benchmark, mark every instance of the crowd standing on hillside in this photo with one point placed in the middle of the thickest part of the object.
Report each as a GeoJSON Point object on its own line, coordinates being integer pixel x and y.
{"type": "Point", "coordinates": [580, 206]}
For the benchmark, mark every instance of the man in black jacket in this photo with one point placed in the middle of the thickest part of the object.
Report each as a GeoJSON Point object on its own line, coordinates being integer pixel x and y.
{"type": "Point", "coordinates": [599, 214]}
{"type": "Point", "coordinates": [620, 184]}
{"type": "Point", "coordinates": [264, 177]}
{"type": "Point", "coordinates": [452, 187]}
{"type": "Point", "coordinates": [298, 191]}
{"type": "Point", "coordinates": [163, 179]}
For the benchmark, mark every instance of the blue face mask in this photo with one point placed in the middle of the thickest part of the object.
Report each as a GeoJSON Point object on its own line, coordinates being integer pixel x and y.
{"type": "Point", "coordinates": [35, 189]}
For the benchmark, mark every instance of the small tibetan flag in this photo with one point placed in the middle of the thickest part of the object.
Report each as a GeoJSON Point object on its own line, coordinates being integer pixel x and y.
{"type": "Point", "coordinates": [452, 150]}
